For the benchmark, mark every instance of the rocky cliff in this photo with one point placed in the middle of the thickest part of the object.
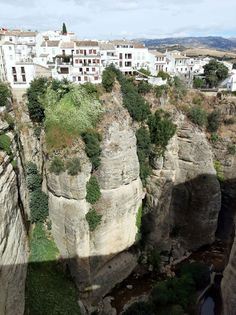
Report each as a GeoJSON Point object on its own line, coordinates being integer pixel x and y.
{"type": "Point", "coordinates": [13, 239]}
{"type": "Point", "coordinates": [98, 255]}
{"type": "Point", "coordinates": [183, 193]}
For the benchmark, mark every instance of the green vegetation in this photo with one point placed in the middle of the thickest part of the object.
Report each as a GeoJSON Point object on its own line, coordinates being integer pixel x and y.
{"type": "Point", "coordinates": [164, 75]}
{"type": "Point", "coordinates": [199, 272]}
{"type": "Point", "coordinates": [91, 88]}
{"type": "Point", "coordinates": [35, 93]}
{"type": "Point", "coordinates": [73, 166]}
{"type": "Point", "coordinates": [214, 120]}
{"type": "Point", "coordinates": [5, 143]}
{"type": "Point", "coordinates": [75, 113]}
{"type": "Point", "coordinates": [174, 291]}
{"type": "Point", "coordinates": [143, 151]}
{"type": "Point", "coordinates": [214, 137]}
{"type": "Point", "coordinates": [64, 29]}
{"type": "Point", "coordinates": [144, 87]}
{"type": "Point", "coordinates": [137, 106]}
{"type": "Point", "coordinates": [108, 79]}
{"type": "Point", "coordinates": [198, 116]}
{"type": "Point", "coordinates": [160, 90]}
{"type": "Point", "coordinates": [198, 83]}
{"type": "Point", "coordinates": [219, 171]}
{"type": "Point", "coordinates": [161, 129]}
{"type": "Point", "coordinates": [178, 89]}
{"type": "Point", "coordinates": [9, 119]}
{"type": "Point", "coordinates": [57, 166]}
{"type": "Point", "coordinates": [93, 190]}
{"type": "Point", "coordinates": [214, 73]}
{"type": "Point", "coordinates": [49, 290]}
{"type": "Point", "coordinates": [145, 72]}
{"type": "Point", "coordinates": [93, 219]}
{"type": "Point", "coordinates": [139, 223]}
{"type": "Point", "coordinates": [231, 148]}
{"type": "Point", "coordinates": [38, 199]}
{"type": "Point", "coordinates": [5, 93]}
{"type": "Point", "coordinates": [92, 141]}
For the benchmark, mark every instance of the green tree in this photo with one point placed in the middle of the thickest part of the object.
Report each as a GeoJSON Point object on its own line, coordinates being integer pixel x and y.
{"type": "Point", "coordinates": [161, 129]}
{"type": "Point", "coordinates": [5, 143]}
{"type": "Point", "coordinates": [73, 166]}
{"type": "Point", "coordinates": [214, 119]}
{"type": "Point", "coordinates": [38, 206]}
{"type": "Point", "coordinates": [164, 75]}
{"type": "Point", "coordinates": [92, 147]}
{"type": "Point", "coordinates": [145, 72]}
{"type": "Point", "coordinates": [198, 83]}
{"type": "Point", "coordinates": [5, 93]}
{"type": "Point", "coordinates": [144, 87]}
{"type": "Point", "coordinates": [57, 166]}
{"type": "Point", "coordinates": [215, 72]}
{"type": "Point", "coordinates": [64, 29]}
{"type": "Point", "coordinates": [108, 79]}
{"type": "Point", "coordinates": [35, 94]}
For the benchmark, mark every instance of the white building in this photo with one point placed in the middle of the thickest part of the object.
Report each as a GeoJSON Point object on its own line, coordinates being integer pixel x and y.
{"type": "Point", "coordinates": [231, 84]}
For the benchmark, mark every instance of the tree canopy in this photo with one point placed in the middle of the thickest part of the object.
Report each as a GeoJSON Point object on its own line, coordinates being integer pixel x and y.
{"type": "Point", "coordinates": [64, 29]}
{"type": "Point", "coordinates": [215, 72]}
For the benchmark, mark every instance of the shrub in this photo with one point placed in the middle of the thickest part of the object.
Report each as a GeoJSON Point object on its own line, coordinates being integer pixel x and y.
{"type": "Point", "coordinates": [219, 171]}
{"type": "Point", "coordinates": [5, 93]}
{"type": "Point", "coordinates": [214, 137]}
{"type": "Point", "coordinates": [5, 143]}
{"type": "Point", "coordinates": [60, 87]}
{"type": "Point", "coordinates": [164, 75]}
{"type": "Point", "coordinates": [145, 72]}
{"type": "Point", "coordinates": [160, 90]}
{"type": "Point", "coordinates": [139, 223]}
{"type": "Point", "coordinates": [231, 149]}
{"type": "Point", "coordinates": [144, 87]}
{"type": "Point", "coordinates": [34, 181]}
{"type": "Point", "coordinates": [90, 88]}
{"type": "Point", "coordinates": [92, 147]}
{"type": "Point", "coordinates": [161, 129]}
{"type": "Point", "coordinates": [214, 119]}
{"type": "Point", "coordinates": [199, 272]}
{"type": "Point", "coordinates": [10, 120]}
{"type": "Point", "coordinates": [93, 190]}
{"type": "Point", "coordinates": [108, 79]}
{"type": "Point", "coordinates": [198, 116]}
{"type": "Point", "coordinates": [35, 93]}
{"type": "Point", "coordinates": [139, 308]}
{"type": "Point", "coordinates": [14, 164]}
{"type": "Point", "coordinates": [73, 166]}
{"type": "Point", "coordinates": [38, 206]}
{"type": "Point", "coordinates": [179, 88]}
{"type": "Point", "coordinates": [198, 83]}
{"type": "Point", "coordinates": [93, 219]}
{"type": "Point", "coordinates": [57, 166]}
{"type": "Point", "coordinates": [31, 168]}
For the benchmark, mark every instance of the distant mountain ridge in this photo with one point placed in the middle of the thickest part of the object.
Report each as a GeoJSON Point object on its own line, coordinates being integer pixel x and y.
{"type": "Point", "coordinates": [215, 42]}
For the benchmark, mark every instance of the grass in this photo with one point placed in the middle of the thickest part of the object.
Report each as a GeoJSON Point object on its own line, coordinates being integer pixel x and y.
{"type": "Point", "coordinates": [49, 289]}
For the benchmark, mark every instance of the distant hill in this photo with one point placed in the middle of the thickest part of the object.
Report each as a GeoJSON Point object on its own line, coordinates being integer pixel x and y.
{"type": "Point", "coordinates": [215, 42]}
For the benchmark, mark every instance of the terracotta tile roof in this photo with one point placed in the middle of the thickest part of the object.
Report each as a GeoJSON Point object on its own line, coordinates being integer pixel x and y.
{"type": "Point", "coordinates": [67, 45]}
{"type": "Point", "coordinates": [127, 42]}
{"type": "Point", "coordinates": [18, 33]}
{"type": "Point", "coordinates": [106, 46]}
{"type": "Point", "coordinates": [86, 43]}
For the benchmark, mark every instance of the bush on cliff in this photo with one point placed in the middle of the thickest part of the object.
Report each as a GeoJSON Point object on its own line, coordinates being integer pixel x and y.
{"type": "Point", "coordinates": [5, 93]}
{"type": "Point", "coordinates": [93, 219]}
{"type": "Point", "coordinates": [73, 166]}
{"type": "Point", "coordinates": [5, 143]}
{"type": "Point", "coordinates": [198, 116]}
{"type": "Point", "coordinates": [38, 206]}
{"type": "Point", "coordinates": [143, 151]}
{"type": "Point", "coordinates": [108, 79]}
{"type": "Point", "coordinates": [161, 129]}
{"type": "Point", "coordinates": [93, 190]}
{"type": "Point", "coordinates": [213, 121]}
{"type": "Point", "coordinates": [92, 141]}
{"type": "Point", "coordinates": [57, 166]}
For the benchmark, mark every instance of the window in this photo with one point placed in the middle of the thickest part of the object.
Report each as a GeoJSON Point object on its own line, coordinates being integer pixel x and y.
{"type": "Point", "coordinates": [95, 78]}
{"type": "Point", "coordinates": [85, 78]}
{"type": "Point", "coordinates": [94, 51]}
{"type": "Point", "coordinates": [87, 69]}
{"type": "Point", "coordinates": [80, 61]}
{"type": "Point", "coordinates": [76, 60]}
{"type": "Point", "coordinates": [15, 78]}
{"type": "Point", "coordinates": [22, 69]}
{"type": "Point", "coordinates": [120, 56]}
{"type": "Point", "coordinates": [13, 69]}
{"type": "Point", "coordinates": [94, 60]}
{"type": "Point", "coordinates": [120, 63]}
{"type": "Point", "coordinates": [81, 69]}
{"type": "Point", "coordinates": [89, 61]}
{"type": "Point", "coordinates": [93, 69]}
{"type": "Point", "coordinates": [90, 51]}
{"type": "Point", "coordinates": [128, 64]}
{"type": "Point", "coordinates": [79, 78]}
{"type": "Point", "coordinates": [77, 51]}
{"type": "Point", "coordinates": [10, 48]}
{"type": "Point", "coordinates": [81, 51]}
{"type": "Point", "coordinates": [10, 39]}
{"type": "Point", "coordinates": [23, 78]}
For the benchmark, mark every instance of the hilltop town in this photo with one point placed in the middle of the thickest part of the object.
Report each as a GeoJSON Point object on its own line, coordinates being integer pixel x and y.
{"type": "Point", "coordinates": [25, 55]}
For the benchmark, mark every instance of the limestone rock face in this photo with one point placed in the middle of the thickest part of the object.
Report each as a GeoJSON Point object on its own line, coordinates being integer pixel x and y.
{"type": "Point", "coordinates": [95, 256]}
{"type": "Point", "coordinates": [13, 243]}
{"type": "Point", "coordinates": [183, 193]}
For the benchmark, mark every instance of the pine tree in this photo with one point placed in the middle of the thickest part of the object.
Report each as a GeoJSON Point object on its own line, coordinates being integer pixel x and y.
{"type": "Point", "coordinates": [64, 30]}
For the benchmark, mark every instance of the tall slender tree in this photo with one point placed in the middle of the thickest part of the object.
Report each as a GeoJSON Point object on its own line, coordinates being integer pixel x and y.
{"type": "Point", "coordinates": [64, 30]}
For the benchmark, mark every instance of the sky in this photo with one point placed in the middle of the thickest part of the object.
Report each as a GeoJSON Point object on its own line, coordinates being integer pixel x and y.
{"type": "Point", "coordinates": [109, 19]}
